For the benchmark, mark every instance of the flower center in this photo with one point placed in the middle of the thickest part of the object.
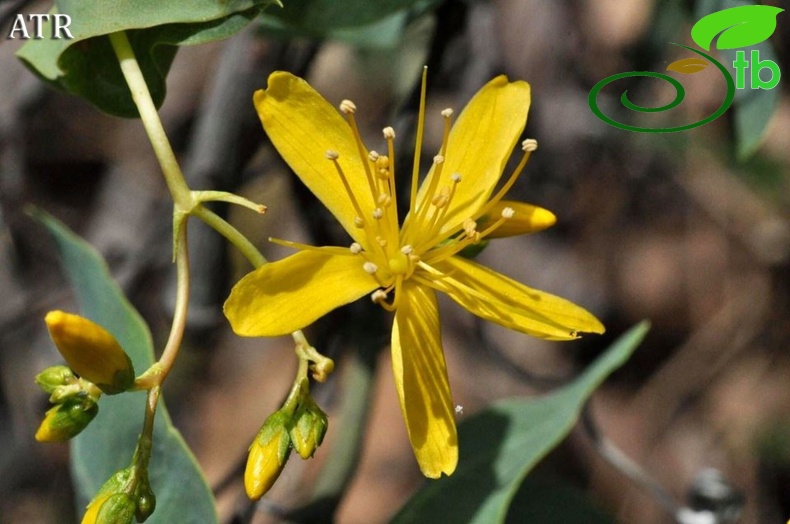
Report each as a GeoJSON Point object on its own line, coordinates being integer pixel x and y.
{"type": "Point", "coordinates": [391, 255]}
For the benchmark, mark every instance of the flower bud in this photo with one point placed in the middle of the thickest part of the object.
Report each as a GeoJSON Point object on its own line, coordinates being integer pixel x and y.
{"type": "Point", "coordinates": [91, 351]}
{"type": "Point", "coordinates": [146, 500]}
{"type": "Point", "coordinates": [118, 508]}
{"type": "Point", "coordinates": [268, 454]}
{"type": "Point", "coordinates": [53, 377]}
{"type": "Point", "coordinates": [309, 428]}
{"type": "Point", "coordinates": [66, 420]}
{"type": "Point", "coordinates": [112, 504]}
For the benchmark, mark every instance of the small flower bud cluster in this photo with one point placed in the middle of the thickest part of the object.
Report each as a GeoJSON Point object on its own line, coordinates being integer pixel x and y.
{"type": "Point", "coordinates": [96, 364]}
{"type": "Point", "coordinates": [303, 430]}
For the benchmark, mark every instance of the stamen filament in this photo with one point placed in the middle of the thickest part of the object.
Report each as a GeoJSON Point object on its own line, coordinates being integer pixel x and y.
{"type": "Point", "coordinates": [415, 174]}
{"type": "Point", "coordinates": [392, 190]}
{"type": "Point", "coordinates": [307, 247]}
{"type": "Point", "coordinates": [528, 145]}
{"type": "Point", "coordinates": [348, 108]}
{"type": "Point", "coordinates": [333, 156]}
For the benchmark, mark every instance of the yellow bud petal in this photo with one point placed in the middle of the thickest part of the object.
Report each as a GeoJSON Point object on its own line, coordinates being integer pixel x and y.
{"type": "Point", "coordinates": [91, 351]}
{"type": "Point", "coordinates": [268, 454]}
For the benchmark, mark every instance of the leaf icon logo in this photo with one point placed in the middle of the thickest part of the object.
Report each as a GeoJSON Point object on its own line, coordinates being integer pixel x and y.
{"type": "Point", "coordinates": [741, 26]}
{"type": "Point", "coordinates": [688, 66]}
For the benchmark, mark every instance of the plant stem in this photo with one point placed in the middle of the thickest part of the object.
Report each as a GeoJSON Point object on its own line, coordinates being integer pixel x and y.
{"type": "Point", "coordinates": [180, 311]}
{"type": "Point", "coordinates": [232, 234]}
{"type": "Point", "coordinates": [174, 178]}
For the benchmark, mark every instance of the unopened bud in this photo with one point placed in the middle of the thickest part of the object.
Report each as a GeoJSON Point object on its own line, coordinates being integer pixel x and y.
{"type": "Point", "coordinates": [91, 351]}
{"type": "Point", "coordinates": [53, 377]}
{"type": "Point", "coordinates": [118, 508]}
{"type": "Point", "coordinates": [111, 501]}
{"type": "Point", "coordinates": [309, 428]}
{"type": "Point", "coordinates": [66, 420]}
{"type": "Point", "coordinates": [268, 454]}
{"type": "Point", "coordinates": [146, 500]}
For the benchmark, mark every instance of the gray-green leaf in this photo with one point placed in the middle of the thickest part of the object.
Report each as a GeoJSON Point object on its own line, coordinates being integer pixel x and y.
{"type": "Point", "coordinates": [108, 443]}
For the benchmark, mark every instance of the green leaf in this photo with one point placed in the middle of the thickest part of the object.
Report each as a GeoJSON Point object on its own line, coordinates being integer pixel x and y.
{"type": "Point", "coordinates": [541, 500]}
{"type": "Point", "coordinates": [500, 445]}
{"type": "Point", "coordinates": [108, 443]}
{"type": "Point", "coordinates": [740, 26]}
{"type": "Point", "coordinates": [86, 65]}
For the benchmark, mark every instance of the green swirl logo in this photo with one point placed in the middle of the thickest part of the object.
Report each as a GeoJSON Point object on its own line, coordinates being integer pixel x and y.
{"type": "Point", "coordinates": [738, 27]}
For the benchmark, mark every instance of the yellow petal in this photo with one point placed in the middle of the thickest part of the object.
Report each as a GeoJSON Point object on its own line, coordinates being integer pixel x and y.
{"type": "Point", "coordinates": [303, 126]}
{"type": "Point", "coordinates": [495, 297]}
{"type": "Point", "coordinates": [480, 144]}
{"type": "Point", "coordinates": [526, 219]}
{"type": "Point", "coordinates": [281, 297]}
{"type": "Point", "coordinates": [421, 380]}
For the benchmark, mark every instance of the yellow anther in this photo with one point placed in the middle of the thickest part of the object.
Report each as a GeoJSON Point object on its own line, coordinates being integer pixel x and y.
{"type": "Point", "coordinates": [382, 162]}
{"type": "Point", "coordinates": [447, 113]}
{"type": "Point", "coordinates": [438, 159]}
{"type": "Point", "coordinates": [355, 248]}
{"type": "Point", "coordinates": [469, 226]}
{"type": "Point", "coordinates": [332, 155]}
{"type": "Point", "coordinates": [389, 133]}
{"type": "Point", "coordinates": [381, 241]}
{"type": "Point", "coordinates": [455, 177]}
{"type": "Point", "coordinates": [407, 249]}
{"type": "Point", "coordinates": [359, 223]}
{"type": "Point", "coordinates": [440, 199]}
{"type": "Point", "coordinates": [378, 213]}
{"type": "Point", "coordinates": [384, 200]}
{"type": "Point", "coordinates": [348, 107]}
{"type": "Point", "coordinates": [508, 212]}
{"type": "Point", "coordinates": [373, 156]}
{"type": "Point", "coordinates": [383, 166]}
{"type": "Point", "coordinates": [530, 144]}
{"type": "Point", "coordinates": [370, 267]}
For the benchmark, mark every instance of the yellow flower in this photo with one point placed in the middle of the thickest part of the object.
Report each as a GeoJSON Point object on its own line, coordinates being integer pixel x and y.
{"type": "Point", "coordinates": [91, 351]}
{"type": "Point", "coordinates": [404, 265]}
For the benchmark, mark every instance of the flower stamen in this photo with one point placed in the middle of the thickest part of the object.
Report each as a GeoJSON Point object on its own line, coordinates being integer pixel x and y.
{"type": "Point", "coordinates": [528, 146]}
{"type": "Point", "coordinates": [415, 174]}
{"type": "Point", "coordinates": [348, 108]}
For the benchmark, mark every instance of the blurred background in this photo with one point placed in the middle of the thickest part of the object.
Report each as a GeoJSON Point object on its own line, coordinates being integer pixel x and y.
{"type": "Point", "coordinates": [690, 230]}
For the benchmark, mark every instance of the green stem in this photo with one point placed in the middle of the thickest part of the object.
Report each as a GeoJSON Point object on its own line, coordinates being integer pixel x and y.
{"type": "Point", "coordinates": [232, 234]}
{"type": "Point", "coordinates": [150, 118]}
